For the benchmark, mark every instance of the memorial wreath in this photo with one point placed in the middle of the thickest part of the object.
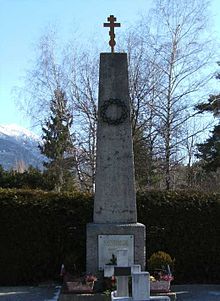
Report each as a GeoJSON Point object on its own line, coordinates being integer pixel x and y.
{"type": "Point", "coordinates": [118, 103]}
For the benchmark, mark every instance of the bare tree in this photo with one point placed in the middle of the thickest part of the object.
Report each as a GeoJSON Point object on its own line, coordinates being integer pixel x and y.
{"type": "Point", "coordinates": [47, 74]}
{"type": "Point", "coordinates": [84, 88]}
{"type": "Point", "coordinates": [143, 81]}
{"type": "Point", "coordinates": [64, 68]}
{"type": "Point", "coordinates": [20, 166]}
{"type": "Point", "coordinates": [191, 137]}
{"type": "Point", "coordinates": [182, 55]}
{"type": "Point", "coordinates": [167, 58]}
{"type": "Point", "coordinates": [167, 55]}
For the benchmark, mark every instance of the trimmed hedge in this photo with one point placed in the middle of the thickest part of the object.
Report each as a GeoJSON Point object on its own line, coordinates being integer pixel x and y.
{"type": "Point", "coordinates": [187, 226]}
{"type": "Point", "coordinates": [40, 230]}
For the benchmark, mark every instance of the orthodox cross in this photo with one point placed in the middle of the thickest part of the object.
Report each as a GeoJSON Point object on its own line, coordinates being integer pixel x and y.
{"type": "Point", "coordinates": [112, 25]}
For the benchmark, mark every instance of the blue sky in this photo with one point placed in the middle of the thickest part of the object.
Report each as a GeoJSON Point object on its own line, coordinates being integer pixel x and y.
{"type": "Point", "coordinates": [22, 22]}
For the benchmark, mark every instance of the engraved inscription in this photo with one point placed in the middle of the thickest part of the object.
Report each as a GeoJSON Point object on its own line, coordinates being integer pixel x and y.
{"type": "Point", "coordinates": [109, 244]}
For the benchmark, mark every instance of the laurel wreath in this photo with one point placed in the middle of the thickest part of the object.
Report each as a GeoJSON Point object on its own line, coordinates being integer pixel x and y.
{"type": "Point", "coordinates": [118, 103]}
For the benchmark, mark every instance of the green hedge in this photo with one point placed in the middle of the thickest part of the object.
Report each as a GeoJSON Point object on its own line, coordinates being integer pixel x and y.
{"type": "Point", "coordinates": [40, 230]}
{"type": "Point", "coordinates": [187, 226]}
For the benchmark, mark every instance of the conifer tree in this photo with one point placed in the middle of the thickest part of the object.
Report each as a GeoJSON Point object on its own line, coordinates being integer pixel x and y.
{"type": "Point", "coordinates": [58, 141]}
{"type": "Point", "coordinates": [209, 151]}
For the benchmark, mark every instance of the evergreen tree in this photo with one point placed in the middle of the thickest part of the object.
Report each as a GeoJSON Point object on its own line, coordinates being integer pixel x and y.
{"type": "Point", "coordinates": [209, 151]}
{"type": "Point", "coordinates": [58, 141]}
{"type": "Point", "coordinates": [146, 173]}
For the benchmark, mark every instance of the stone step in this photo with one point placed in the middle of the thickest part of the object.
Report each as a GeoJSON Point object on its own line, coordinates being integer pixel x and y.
{"type": "Point", "coordinates": [152, 298]}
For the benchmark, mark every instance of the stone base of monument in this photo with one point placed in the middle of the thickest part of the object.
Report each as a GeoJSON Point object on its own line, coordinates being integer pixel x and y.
{"type": "Point", "coordinates": [103, 240]}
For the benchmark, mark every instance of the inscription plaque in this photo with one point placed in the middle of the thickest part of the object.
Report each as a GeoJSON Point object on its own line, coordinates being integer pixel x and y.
{"type": "Point", "coordinates": [108, 246]}
{"type": "Point", "coordinates": [122, 271]}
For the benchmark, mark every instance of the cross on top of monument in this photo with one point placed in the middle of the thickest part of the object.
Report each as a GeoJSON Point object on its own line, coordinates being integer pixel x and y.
{"type": "Point", "coordinates": [112, 25]}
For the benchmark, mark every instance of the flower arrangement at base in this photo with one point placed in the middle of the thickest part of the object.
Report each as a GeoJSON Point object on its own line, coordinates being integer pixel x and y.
{"type": "Point", "coordinates": [160, 282]}
{"type": "Point", "coordinates": [79, 287]}
{"type": "Point", "coordinates": [82, 284]}
{"type": "Point", "coordinates": [77, 283]}
{"type": "Point", "coordinates": [90, 278]}
{"type": "Point", "coordinates": [160, 286]}
{"type": "Point", "coordinates": [161, 276]}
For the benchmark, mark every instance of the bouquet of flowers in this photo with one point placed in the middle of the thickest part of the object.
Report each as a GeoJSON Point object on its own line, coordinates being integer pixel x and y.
{"type": "Point", "coordinates": [166, 277]}
{"type": "Point", "coordinates": [159, 267]}
{"type": "Point", "coordinates": [161, 282]}
{"type": "Point", "coordinates": [90, 278]}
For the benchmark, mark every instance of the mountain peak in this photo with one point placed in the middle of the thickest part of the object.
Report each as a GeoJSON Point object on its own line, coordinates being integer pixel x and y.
{"type": "Point", "coordinates": [15, 130]}
{"type": "Point", "coordinates": [19, 144]}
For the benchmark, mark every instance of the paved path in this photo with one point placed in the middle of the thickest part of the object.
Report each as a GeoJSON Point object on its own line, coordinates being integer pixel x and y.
{"type": "Point", "coordinates": [51, 293]}
{"type": "Point", "coordinates": [197, 292]}
{"type": "Point", "coordinates": [29, 293]}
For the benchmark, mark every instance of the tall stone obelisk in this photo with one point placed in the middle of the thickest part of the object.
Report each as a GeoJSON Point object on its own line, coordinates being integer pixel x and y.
{"type": "Point", "coordinates": [115, 217]}
{"type": "Point", "coordinates": [115, 198]}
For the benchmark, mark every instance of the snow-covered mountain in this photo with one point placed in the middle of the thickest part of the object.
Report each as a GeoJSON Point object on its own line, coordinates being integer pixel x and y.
{"type": "Point", "coordinates": [17, 145]}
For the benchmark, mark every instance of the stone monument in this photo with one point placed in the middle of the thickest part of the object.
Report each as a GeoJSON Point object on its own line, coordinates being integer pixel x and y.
{"type": "Point", "coordinates": [115, 242]}
{"type": "Point", "coordinates": [115, 223]}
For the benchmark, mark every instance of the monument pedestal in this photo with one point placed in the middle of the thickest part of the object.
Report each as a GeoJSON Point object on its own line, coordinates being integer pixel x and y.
{"type": "Point", "coordinates": [122, 233]}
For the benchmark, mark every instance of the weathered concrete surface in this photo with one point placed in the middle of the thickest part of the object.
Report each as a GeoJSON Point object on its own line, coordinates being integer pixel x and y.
{"type": "Point", "coordinates": [115, 210]}
{"type": "Point", "coordinates": [93, 230]}
{"type": "Point", "coordinates": [183, 293]}
{"type": "Point", "coordinates": [29, 293]}
{"type": "Point", "coordinates": [141, 286]}
{"type": "Point", "coordinates": [115, 198]}
{"type": "Point", "coordinates": [50, 293]}
{"type": "Point", "coordinates": [197, 292]}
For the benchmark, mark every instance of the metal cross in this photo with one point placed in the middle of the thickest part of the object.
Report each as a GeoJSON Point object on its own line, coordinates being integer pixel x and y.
{"type": "Point", "coordinates": [112, 25]}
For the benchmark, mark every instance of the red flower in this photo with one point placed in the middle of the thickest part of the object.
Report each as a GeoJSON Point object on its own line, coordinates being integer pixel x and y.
{"type": "Point", "coordinates": [90, 278]}
{"type": "Point", "coordinates": [166, 277]}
